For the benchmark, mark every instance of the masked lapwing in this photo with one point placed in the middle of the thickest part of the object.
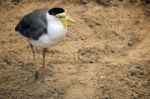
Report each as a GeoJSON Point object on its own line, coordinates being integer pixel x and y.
{"type": "Point", "coordinates": [44, 28]}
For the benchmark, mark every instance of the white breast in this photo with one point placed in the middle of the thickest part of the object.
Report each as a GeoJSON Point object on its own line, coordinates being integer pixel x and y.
{"type": "Point", "coordinates": [56, 32]}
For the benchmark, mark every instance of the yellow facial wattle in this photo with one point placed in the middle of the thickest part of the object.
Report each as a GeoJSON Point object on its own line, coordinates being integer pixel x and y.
{"type": "Point", "coordinates": [65, 22]}
{"type": "Point", "coordinates": [65, 19]}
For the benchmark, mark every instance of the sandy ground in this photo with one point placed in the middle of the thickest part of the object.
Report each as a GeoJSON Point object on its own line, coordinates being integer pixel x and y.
{"type": "Point", "coordinates": [106, 54]}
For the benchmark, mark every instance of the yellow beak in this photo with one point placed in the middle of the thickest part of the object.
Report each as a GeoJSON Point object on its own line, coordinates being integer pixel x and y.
{"type": "Point", "coordinates": [65, 16]}
{"type": "Point", "coordinates": [65, 19]}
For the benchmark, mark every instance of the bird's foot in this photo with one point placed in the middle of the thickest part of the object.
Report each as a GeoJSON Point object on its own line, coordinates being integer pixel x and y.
{"type": "Point", "coordinates": [40, 76]}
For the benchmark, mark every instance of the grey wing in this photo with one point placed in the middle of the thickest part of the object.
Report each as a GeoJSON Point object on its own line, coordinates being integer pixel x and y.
{"type": "Point", "coordinates": [33, 25]}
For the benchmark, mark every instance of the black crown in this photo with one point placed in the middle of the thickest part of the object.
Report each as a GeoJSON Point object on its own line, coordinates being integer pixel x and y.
{"type": "Point", "coordinates": [56, 10]}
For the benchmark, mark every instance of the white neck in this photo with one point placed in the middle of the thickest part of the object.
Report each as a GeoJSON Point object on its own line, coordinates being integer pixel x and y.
{"type": "Point", "coordinates": [55, 27]}
{"type": "Point", "coordinates": [51, 17]}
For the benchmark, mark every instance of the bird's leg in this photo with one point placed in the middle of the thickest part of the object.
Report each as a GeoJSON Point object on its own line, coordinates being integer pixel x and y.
{"type": "Point", "coordinates": [44, 55]}
{"type": "Point", "coordinates": [43, 65]}
{"type": "Point", "coordinates": [33, 53]}
{"type": "Point", "coordinates": [38, 70]}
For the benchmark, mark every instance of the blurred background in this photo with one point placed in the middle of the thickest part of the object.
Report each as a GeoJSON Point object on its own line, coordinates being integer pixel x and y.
{"type": "Point", "coordinates": [106, 54]}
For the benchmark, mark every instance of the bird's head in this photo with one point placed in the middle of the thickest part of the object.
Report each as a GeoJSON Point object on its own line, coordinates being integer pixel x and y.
{"type": "Point", "coordinates": [62, 14]}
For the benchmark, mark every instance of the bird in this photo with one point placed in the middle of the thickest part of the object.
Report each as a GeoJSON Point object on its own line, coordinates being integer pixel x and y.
{"type": "Point", "coordinates": [44, 28]}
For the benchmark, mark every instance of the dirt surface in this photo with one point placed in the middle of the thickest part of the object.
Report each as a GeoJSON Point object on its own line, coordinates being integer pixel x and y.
{"type": "Point", "coordinates": [106, 54]}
